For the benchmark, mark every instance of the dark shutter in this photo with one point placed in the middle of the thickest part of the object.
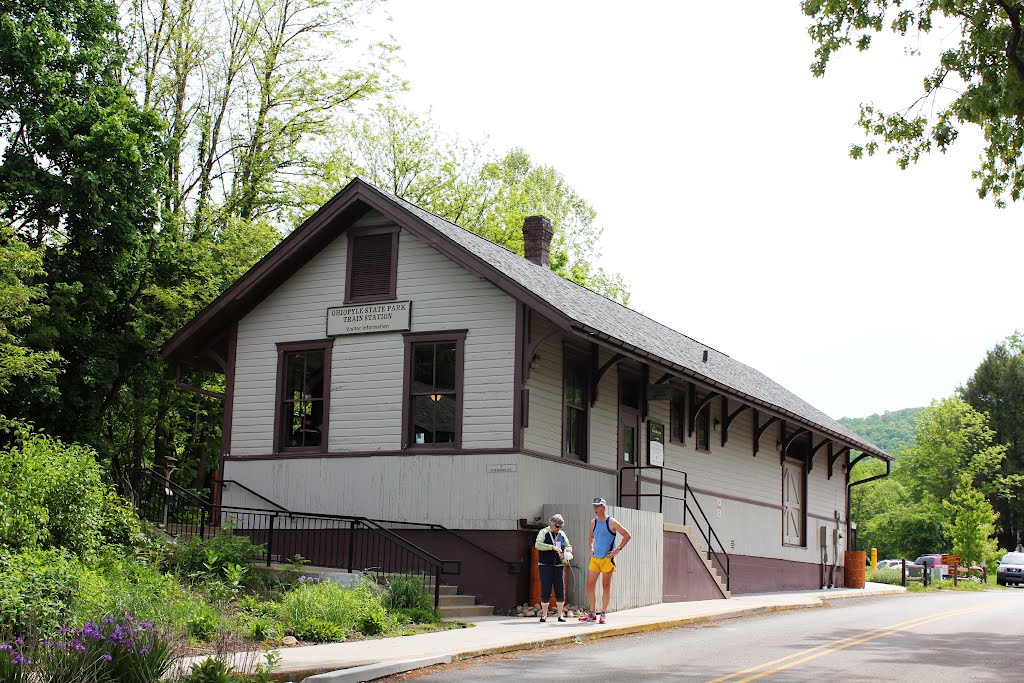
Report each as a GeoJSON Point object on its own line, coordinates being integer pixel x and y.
{"type": "Point", "coordinates": [371, 267]}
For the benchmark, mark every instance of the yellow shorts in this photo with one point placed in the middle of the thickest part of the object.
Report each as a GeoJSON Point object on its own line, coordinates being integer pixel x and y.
{"type": "Point", "coordinates": [602, 564]}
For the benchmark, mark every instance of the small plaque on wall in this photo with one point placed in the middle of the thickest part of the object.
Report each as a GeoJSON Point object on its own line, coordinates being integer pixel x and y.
{"type": "Point", "coordinates": [656, 444]}
{"type": "Point", "coordinates": [393, 316]}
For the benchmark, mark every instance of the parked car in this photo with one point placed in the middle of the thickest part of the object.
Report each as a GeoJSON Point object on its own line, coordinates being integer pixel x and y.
{"type": "Point", "coordinates": [1011, 569]}
{"type": "Point", "coordinates": [888, 564]}
{"type": "Point", "coordinates": [934, 560]}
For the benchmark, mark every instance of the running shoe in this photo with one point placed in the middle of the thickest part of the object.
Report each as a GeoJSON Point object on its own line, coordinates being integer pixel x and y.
{"type": "Point", "coordinates": [602, 619]}
{"type": "Point", "coordinates": [589, 617]}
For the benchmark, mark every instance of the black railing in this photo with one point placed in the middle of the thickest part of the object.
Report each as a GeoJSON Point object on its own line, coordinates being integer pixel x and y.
{"type": "Point", "coordinates": [355, 544]}
{"type": "Point", "coordinates": [511, 566]}
{"type": "Point", "coordinates": [232, 482]}
{"type": "Point", "coordinates": [714, 545]}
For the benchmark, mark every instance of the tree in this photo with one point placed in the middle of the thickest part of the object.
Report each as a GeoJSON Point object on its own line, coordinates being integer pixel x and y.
{"type": "Point", "coordinates": [972, 525]}
{"type": "Point", "coordinates": [20, 299]}
{"type": "Point", "coordinates": [977, 80]}
{"type": "Point", "coordinates": [409, 156]}
{"type": "Point", "coordinates": [997, 389]}
{"type": "Point", "coordinates": [953, 440]}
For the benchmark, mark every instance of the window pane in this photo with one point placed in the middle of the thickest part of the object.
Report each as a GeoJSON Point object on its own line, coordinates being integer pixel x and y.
{"type": "Point", "coordinates": [445, 366]}
{"type": "Point", "coordinates": [315, 374]}
{"type": "Point", "coordinates": [294, 371]}
{"type": "Point", "coordinates": [422, 420]}
{"type": "Point", "coordinates": [444, 420]}
{"type": "Point", "coordinates": [423, 367]}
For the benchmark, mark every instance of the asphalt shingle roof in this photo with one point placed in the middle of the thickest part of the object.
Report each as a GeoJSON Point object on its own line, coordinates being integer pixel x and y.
{"type": "Point", "coordinates": [607, 317]}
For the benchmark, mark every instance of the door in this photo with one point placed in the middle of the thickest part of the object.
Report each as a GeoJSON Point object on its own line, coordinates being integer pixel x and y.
{"type": "Point", "coordinates": [629, 456]}
{"type": "Point", "coordinates": [792, 503]}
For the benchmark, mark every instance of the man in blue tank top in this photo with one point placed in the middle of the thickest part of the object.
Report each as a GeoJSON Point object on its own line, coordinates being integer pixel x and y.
{"type": "Point", "coordinates": [603, 530]}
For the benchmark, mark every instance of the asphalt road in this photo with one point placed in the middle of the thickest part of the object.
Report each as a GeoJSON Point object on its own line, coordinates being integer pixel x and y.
{"type": "Point", "coordinates": [932, 638]}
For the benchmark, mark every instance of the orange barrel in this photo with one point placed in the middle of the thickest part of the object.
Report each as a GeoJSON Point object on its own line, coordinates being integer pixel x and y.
{"type": "Point", "coordinates": [854, 562]}
{"type": "Point", "coordinates": [534, 578]}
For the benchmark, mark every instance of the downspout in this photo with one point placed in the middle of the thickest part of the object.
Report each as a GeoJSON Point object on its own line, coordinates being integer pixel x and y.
{"type": "Point", "coordinates": [849, 487]}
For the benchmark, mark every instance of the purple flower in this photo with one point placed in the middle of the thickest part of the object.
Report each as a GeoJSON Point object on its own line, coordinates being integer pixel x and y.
{"type": "Point", "coordinates": [146, 624]}
{"type": "Point", "coordinates": [5, 647]}
{"type": "Point", "coordinates": [18, 659]}
{"type": "Point", "coordinates": [107, 656]}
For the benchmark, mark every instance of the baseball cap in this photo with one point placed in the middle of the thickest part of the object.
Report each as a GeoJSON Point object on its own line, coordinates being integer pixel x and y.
{"type": "Point", "coordinates": [600, 501]}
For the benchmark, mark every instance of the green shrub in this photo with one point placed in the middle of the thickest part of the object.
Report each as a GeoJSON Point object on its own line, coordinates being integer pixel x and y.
{"type": "Point", "coordinates": [211, 670]}
{"type": "Point", "coordinates": [418, 615]}
{"type": "Point", "coordinates": [374, 623]}
{"type": "Point", "coordinates": [204, 625]}
{"type": "Point", "coordinates": [210, 558]}
{"type": "Point", "coordinates": [131, 586]}
{"type": "Point", "coordinates": [318, 631]}
{"type": "Point", "coordinates": [39, 590]}
{"type": "Point", "coordinates": [329, 602]}
{"type": "Point", "coordinates": [890, 575]}
{"type": "Point", "coordinates": [51, 495]}
{"type": "Point", "coordinates": [260, 628]}
{"type": "Point", "coordinates": [408, 592]}
{"type": "Point", "coordinates": [252, 605]}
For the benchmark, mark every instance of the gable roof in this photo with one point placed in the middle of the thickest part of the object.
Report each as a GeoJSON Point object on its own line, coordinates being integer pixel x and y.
{"type": "Point", "coordinates": [567, 304]}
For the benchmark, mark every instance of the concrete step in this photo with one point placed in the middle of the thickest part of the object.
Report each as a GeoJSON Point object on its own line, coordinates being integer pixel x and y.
{"type": "Point", "coordinates": [457, 600]}
{"type": "Point", "coordinates": [466, 611]}
{"type": "Point", "coordinates": [445, 590]}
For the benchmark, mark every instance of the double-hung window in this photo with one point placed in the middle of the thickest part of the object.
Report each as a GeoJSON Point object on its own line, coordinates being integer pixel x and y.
{"type": "Point", "coordinates": [432, 415]}
{"type": "Point", "coordinates": [702, 429]}
{"type": "Point", "coordinates": [575, 402]}
{"type": "Point", "coordinates": [303, 400]}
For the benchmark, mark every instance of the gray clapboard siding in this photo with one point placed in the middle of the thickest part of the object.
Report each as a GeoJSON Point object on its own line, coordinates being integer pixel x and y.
{"type": "Point", "coordinates": [544, 432]}
{"type": "Point", "coordinates": [543, 481]}
{"type": "Point", "coordinates": [439, 489]}
{"type": "Point", "coordinates": [367, 370]}
{"type": "Point", "coordinates": [638, 580]}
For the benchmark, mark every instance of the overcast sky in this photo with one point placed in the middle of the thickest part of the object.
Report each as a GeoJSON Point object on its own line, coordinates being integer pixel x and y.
{"type": "Point", "coordinates": [718, 167]}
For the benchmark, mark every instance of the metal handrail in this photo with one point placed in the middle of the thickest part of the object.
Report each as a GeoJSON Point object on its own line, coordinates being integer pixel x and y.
{"type": "Point", "coordinates": [688, 493]}
{"type": "Point", "coordinates": [246, 488]}
{"type": "Point", "coordinates": [688, 497]}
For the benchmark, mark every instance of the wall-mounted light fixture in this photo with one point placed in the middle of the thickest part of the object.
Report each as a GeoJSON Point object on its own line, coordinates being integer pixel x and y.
{"type": "Point", "coordinates": [534, 361]}
{"type": "Point", "coordinates": [436, 398]}
{"type": "Point", "coordinates": [778, 445]}
{"type": "Point", "coordinates": [715, 424]}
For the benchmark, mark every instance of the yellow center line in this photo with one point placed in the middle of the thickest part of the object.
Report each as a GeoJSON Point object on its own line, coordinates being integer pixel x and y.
{"type": "Point", "coordinates": [843, 643]}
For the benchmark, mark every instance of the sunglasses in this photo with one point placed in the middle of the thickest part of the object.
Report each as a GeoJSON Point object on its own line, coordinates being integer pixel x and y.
{"type": "Point", "coordinates": [558, 526]}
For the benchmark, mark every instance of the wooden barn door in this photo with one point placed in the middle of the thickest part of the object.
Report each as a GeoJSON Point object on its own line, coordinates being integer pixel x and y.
{"type": "Point", "coordinates": [792, 503]}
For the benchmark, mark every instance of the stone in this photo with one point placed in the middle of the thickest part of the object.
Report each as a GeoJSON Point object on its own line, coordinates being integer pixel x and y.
{"type": "Point", "coordinates": [289, 640]}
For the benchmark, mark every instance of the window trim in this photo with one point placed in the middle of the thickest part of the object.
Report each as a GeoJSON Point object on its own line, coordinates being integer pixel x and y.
{"type": "Point", "coordinates": [703, 414]}
{"type": "Point", "coordinates": [410, 338]}
{"type": "Point", "coordinates": [569, 353]}
{"type": "Point", "coordinates": [672, 410]}
{"type": "Point", "coordinates": [355, 233]}
{"type": "Point", "coordinates": [283, 349]}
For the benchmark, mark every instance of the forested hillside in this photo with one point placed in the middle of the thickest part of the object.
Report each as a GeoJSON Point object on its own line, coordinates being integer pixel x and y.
{"type": "Point", "coordinates": [891, 431]}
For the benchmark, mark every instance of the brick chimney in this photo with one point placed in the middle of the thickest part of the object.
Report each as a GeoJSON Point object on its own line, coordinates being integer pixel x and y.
{"type": "Point", "coordinates": [537, 234]}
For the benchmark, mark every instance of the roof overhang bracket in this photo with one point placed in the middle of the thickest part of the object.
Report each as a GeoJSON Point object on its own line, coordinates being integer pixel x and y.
{"type": "Point", "coordinates": [832, 457]}
{"type": "Point", "coordinates": [788, 441]}
{"type": "Point", "coordinates": [195, 390]}
{"type": "Point", "coordinates": [814, 451]}
{"type": "Point", "coordinates": [728, 418]}
{"type": "Point", "coordinates": [697, 407]}
{"type": "Point", "coordinates": [760, 429]}
{"type": "Point", "coordinates": [531, 346]}
{"type": "Point", "coordinates": [599, 372]}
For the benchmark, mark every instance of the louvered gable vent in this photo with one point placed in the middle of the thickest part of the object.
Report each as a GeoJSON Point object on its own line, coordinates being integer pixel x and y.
{"type": "Point", "coordinates": [372, 271]}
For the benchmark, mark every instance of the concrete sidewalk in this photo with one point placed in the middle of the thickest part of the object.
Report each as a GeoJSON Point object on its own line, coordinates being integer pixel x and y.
{"type": "Point", "coordinates": [369, 659]}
